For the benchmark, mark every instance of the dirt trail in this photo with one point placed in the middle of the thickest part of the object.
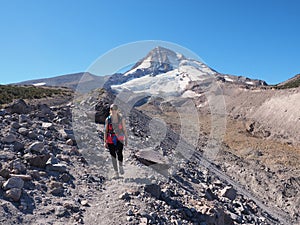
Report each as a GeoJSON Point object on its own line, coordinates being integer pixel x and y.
{"type": "Point", "coordinates": [109, 205]}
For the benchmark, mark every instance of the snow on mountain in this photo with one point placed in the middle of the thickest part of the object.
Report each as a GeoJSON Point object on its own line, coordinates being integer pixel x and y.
{"type": "Point", "coordinates": [159, 59]}
{"type": "Point", "coordinates": [163, 71]}
{"type": "Point", "coordinates": [39, 84]}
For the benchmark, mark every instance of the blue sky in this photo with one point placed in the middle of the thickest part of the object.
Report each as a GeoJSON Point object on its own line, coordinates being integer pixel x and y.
{"type": "Point", "coordinates": [253, 38]}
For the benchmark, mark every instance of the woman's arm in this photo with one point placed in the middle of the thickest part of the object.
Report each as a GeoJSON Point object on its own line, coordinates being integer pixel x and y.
{"type": "Point", "coordinates": [125, 131]}
{"type": "Point", "coordinates": [105, 132]}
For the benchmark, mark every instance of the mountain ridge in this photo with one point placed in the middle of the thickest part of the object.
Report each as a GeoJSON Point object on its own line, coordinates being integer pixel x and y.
{"type": "Point", "coordinates": [159, 60]}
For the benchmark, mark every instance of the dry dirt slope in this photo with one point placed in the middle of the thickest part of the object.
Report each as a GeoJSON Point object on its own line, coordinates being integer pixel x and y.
{"type": "Point", "coordinates": [275, 111]}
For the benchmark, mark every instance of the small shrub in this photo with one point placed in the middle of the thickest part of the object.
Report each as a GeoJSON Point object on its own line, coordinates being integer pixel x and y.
{"type": "Point", "coordinates": [8, 93]}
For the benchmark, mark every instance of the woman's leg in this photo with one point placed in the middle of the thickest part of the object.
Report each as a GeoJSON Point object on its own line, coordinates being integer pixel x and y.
{"type": "Point", "coordinates": [120, 156]}
{"type": "Point", "coordinates": [119, 151]}
{"type": "Point", "coordinates": [112, 150]}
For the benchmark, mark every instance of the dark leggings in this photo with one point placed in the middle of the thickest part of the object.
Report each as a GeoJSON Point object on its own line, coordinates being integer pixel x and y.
{"type": "Point", "coordinates": [116, 151]}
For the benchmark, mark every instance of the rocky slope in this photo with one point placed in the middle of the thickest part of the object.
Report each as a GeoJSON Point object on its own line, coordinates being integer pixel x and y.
{"type": "Point", "coordinates": [205, 148]}
{"type": "Point", "coordinates": [260, 148]}
{"type": "Point", "coordinates": [46, 179]}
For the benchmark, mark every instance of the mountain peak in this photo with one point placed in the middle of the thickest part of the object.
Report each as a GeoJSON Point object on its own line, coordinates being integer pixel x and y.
{"type": "Point", "coordinates": [158, 60]}
{"type": "Point", "coordinates": [163, 55]}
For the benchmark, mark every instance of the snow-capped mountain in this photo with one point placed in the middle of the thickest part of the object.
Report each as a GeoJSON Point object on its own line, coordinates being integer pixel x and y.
{"type": "Point", "coordinates": [162, 71]}
{"type": "Point", "coordinates": [165, 71]}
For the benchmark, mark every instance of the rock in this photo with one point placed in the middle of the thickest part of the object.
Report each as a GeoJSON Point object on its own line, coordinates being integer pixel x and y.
{"type": "Point", "coordinates": [24, 131]}
{"type": "Point", "coordinates": [217, 216]}
{"type": "Point", "coordinates": [152, 158]}
{"type": "Point", "coordinates": [19, 106]}
{"type": "Point", "coordinates": [250, 126]}
{"type": "Point", "coordinates": [23, 118]}
{"type": "Point", "coordinates": [32, 135]}
{"type": "Point", "coordinates": [57, 191]}
{"type": "Point", "coordinates": [153, 189]}
{"type": "Point", "coordinates": [60, 211]}
{"type": "Point", "coordinates": [22, 176]}
{"type": "Point", "coordinates": [37, 160]}
{"type": "Point", "coordinates": [125, 196]}
{"type": "Point", "coordinates": [15, 125]}
{"type": "Point", "coordinates": [56, 167]}
{"type": "Point", "coordinates": [36, 147]}
{"type": "Point", "coordinates": [47, 125]}
{"type": "Point", "coordinates": [2, 180]}
{"type": "Point", "coordinates": [84, 202]}
{"type": "Point", "coordinates": [44, 111]}
{"type": "Point", "coordinates": [65, 177]}
{"type": "Point", "coordinates": [4, 173]}
{"type": "Point", "coordinates": [129, 213]}
{"type": "Point", "coordinates": [18, 146]}
{"type": "Point", "coordinates": [10, 138]}
{"type": "Point", "coordinates": [13, 182]}
{"type": "Point", "coordinates": [56, 188]}
{"type": "Point", "coordinates": [129, 218]}
{"type": "Point", "coordinates": [187, 213]}
{"type": "Point", "coordinates": [210, 195]}
{"type": "Point", "coordinates": [18, 166]}
{"type": "Point", "coordinates": [228, 192]}
{"type": "Point", "coordinates": [14, 194]}
{"type": "Point", "coordinates": [40, 137]}
{"type": "Point", "coordinates": [74, 151]}
{"type": "Point", "coordinates": [69, 142]}
{"type": "Point", "coordinates": [143, 221]}
{"type": "Point", "coordinates": [67, 134]}
{"type": "Point", "coordinates": [3, 112]}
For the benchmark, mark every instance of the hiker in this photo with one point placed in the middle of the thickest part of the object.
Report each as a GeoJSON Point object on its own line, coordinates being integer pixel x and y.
{"type": "Point", "coordinates": [115, 137]}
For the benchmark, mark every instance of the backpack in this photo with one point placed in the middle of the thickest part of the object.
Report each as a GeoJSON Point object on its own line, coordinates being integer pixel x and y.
{"type": "Point", "coordinates": [115, 131]}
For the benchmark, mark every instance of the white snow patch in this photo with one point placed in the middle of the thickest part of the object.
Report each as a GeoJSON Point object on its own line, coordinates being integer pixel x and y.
{"type": "Point", "coordinates": [145, 64]}
{"type": "Point", "coordinates": [39, 84]}
{"type": "Point", "coordinates": [249, 82]}
{"type": "Point", "coordinates": [189, 94]}
{"type": "Point", "coordinates": [228, 79]}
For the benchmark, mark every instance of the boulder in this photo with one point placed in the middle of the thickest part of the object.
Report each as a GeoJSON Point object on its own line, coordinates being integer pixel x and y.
{"type": "Point", "coordinates": [37, 160]}
{"type": "Point", "coordinates": [32, 135]}
{"type": "Point", "coordinates": [56, 188]}
{"type": "Point", "coordinates": [23, 118]}
{"type": "Point", "coordinates": [10, 138]}
{"type": "Point", "coordinates": [2, 112]}
{"type": "Point", "coordinates": [228, 192]}
{"type": "Point", "coordinates": [36, 147]}
{"type": "Point", "coordinates": [44, 111]}
{"type": "Point", "coordinates": [14, 194]}
{"type": "Point", "coordinates": [24, 131]}
{"type": "Point", "coordinates": [19, 106]}
{"type": "Point", "coordinates": [47, 125]}
{"type": "Point", "coordinates": [18, 146]}
{"type": "Point", "coordinates": [61, 168]}
{"type": "Point", "coordinates": [18, 166]}
{"type": "Point", "coordinates": [13, 182]}
{"type": "Point", "coordinates": [153, 158]}
{"type": "Point", "coordinates": [4, 172]}
{"type": "Point", "coordinates": [69, 142]}
{"type": "Point", "coordinates": [154, 190]}
{"type": "Point", "coordinates": [67, 134]}
{"type": "Point", "coordinates": [15, 125]}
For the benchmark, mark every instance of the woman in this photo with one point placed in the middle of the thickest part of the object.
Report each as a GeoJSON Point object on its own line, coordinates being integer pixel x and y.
{"type": "Point", "coordinates": [115, 137]}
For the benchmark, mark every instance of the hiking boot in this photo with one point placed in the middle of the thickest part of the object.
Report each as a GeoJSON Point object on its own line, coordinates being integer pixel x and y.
{"type": "Point", "coordinates": [121, 170]}
{"type": "Point", "coordinates": [116, 174]}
